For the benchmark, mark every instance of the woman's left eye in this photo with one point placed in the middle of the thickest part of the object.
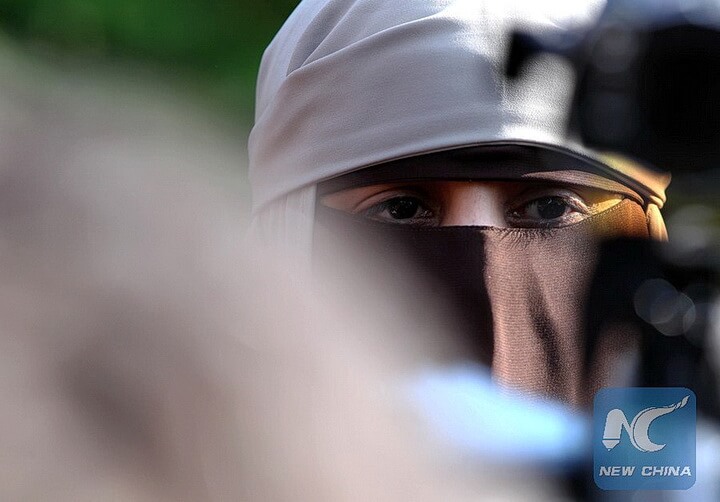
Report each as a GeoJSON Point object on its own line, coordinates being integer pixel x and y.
{"type": "Point", "coordinates": [549, 211]}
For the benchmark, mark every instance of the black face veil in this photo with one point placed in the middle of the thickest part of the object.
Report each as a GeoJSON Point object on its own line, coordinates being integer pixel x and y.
{"type": "Point", "coordinates": [515, 297]}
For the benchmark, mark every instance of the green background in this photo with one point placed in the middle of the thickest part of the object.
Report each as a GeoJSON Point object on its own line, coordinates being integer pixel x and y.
{"type": "Point", "coordinates": [212, 48]}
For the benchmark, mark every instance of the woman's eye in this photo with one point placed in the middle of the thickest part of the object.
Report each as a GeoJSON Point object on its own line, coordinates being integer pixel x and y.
{"type": "Point", "coordinates": [549, 211]}
{"type": "Point", "coordinates": [406, 209]}
{"type": "Point", "coordinates": [548, 208]}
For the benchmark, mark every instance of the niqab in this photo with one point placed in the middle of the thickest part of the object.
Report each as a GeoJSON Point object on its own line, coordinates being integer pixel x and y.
{"type": "Point", "coordinates": [514, 296]}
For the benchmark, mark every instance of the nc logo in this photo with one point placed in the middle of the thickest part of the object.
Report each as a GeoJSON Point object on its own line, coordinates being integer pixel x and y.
{"type": "Point", "coordinates": [637, 430]}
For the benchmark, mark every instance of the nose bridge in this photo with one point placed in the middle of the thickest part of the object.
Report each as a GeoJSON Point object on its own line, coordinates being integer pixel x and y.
{"type": "Point", "coordinates": [474, 204]}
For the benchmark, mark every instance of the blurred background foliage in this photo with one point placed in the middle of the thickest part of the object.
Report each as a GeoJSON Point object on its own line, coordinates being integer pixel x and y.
{"type": "Point", "coordinates": [210, 48]}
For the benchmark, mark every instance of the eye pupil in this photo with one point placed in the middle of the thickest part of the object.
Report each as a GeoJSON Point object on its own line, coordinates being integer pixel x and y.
{"type": "Point", "coordinates": [550, 208]}
{"type": "Point", "coordinates": [403, 208]}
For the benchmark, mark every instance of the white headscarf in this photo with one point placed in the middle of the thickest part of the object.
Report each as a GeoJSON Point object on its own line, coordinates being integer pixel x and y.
{"type": "Point", "coordinates": [347, 84]}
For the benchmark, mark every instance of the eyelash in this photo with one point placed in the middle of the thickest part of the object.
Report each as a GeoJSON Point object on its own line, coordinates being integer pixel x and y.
{"type": "Point", "coordinates": [513, 216]}
{"type": "Point", "coordinates": [571, 201]}
{"type": "Point", "coordinates": [380, 207]}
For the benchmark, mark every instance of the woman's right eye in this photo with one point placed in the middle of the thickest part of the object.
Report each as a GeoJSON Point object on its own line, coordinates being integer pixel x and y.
{"type": "Point", "coordinates": [405, 210]}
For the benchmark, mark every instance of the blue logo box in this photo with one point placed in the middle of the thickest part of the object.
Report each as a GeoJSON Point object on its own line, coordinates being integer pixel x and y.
{"type": "Point", "coordinates": [644, 438]}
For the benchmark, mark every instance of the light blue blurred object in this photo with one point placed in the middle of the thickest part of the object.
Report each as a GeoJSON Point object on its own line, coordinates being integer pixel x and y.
{"type": "Point", "coordinates": [465, 408]}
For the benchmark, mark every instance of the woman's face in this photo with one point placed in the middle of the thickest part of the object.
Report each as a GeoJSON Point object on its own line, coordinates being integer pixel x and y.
{"type": "Point", "coordinates": [500, 293]}
{"type": "Point", "coordinates": [502, 204]}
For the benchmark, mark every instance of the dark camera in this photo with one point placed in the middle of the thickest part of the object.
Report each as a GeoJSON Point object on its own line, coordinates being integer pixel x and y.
{"type": "Point", "coordinates": [648, 81]}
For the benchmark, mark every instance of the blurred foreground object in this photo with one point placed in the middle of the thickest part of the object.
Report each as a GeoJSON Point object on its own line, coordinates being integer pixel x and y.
{"type": "Point", "coordinates": [148, 355]}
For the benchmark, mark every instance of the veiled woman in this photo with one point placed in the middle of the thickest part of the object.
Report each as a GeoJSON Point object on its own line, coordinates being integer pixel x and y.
{"type": "Point", "coordinates": [392, 122]}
